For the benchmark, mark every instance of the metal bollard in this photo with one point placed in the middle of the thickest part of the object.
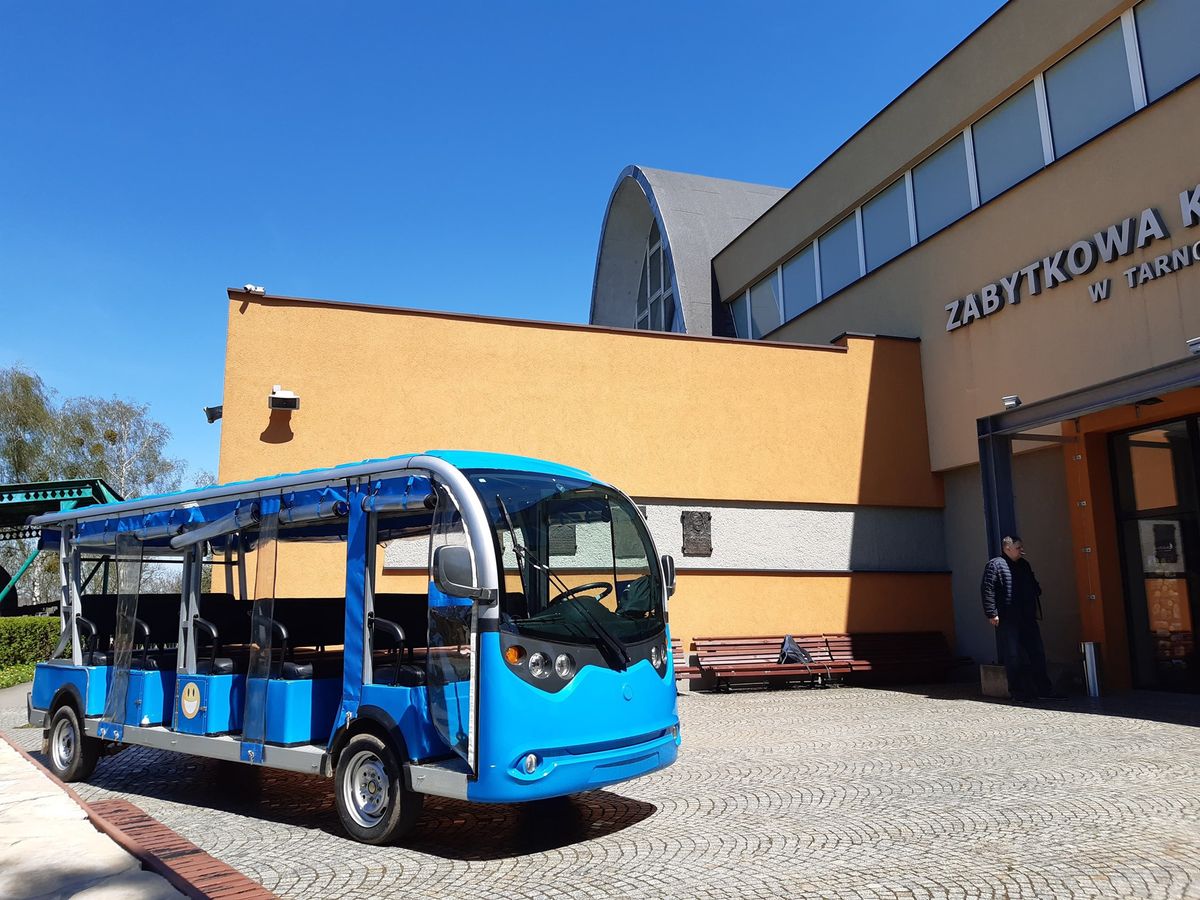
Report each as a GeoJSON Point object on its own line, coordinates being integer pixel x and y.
{"type": "Point", "coordinates": [1091, 667]}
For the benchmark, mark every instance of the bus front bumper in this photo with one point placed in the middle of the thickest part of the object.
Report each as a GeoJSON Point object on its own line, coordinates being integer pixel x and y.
{"type": "Point", "coordinates": [558, 772]}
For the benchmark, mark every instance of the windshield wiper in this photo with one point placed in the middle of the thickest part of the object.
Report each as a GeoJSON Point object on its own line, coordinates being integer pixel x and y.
{"type": "Point", "coordinates": [619, 657]}
{"type": "Point", "coordinates": [605, 637]}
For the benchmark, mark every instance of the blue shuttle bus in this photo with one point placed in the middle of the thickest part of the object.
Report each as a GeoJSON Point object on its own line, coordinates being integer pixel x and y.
{"type": "Point", "coordinates": [536, 664]}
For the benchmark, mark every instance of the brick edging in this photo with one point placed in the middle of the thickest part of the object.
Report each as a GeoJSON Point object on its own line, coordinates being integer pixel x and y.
{"type": "Point", "coordinates": [131, 845]}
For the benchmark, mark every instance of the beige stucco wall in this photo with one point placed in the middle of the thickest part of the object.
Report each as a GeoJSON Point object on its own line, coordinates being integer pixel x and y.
{"type": "Point", "coordinates": [662, 416]}
{"type": "Point", "coordinates": [644, 411]}
{"type": "Point", "coordinates": [1060, 340]}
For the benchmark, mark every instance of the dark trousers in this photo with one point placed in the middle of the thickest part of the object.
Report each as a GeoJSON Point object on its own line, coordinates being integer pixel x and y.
{"type": "Point", "coordinates": [1024, 657]}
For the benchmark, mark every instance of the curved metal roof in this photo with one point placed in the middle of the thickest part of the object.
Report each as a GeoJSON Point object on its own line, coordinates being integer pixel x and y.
{"type": "Point", "coordinates": [697, 217]}
{"type": "Point", "coordinates": [459, 459]}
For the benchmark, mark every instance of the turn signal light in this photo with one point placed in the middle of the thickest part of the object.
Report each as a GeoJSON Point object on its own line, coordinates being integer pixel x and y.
{"type": "Point", "coordinates": [514, 654]}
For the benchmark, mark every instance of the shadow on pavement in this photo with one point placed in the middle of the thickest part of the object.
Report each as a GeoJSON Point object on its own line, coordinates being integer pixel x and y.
{"type": "Point", "coordinates": [1151, 706]}
{"type": "Point", "coordinates": [450, 829]}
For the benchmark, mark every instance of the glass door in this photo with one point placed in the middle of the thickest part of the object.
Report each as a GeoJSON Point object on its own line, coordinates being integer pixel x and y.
{"type": "Point", "coordinates": [1159, 523]}
{"type": "Point", "coordinates": [450, 662]}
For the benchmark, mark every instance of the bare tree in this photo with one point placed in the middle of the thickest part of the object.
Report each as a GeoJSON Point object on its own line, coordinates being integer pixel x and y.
{"type": "Point", "coordinates": [115, 440]}
{"type": "Point", "coordinates": [84, 437]}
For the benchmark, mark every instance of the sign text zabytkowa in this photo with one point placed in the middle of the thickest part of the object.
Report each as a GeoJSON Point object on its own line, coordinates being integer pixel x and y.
{"type": "Point", "coordinates": [1120, 239]}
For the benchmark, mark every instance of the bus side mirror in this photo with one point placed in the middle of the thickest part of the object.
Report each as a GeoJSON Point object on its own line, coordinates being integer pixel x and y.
{"type": "Point", "coordinates": [668, 565]}
{"type": "Point", "coordinates": [452, 572]}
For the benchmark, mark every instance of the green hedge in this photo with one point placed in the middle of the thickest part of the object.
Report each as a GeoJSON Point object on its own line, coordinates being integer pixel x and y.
{"type": "Point", "coordinates": [14, 675]}
{"type": "Point", "coordinates": [27, 639]}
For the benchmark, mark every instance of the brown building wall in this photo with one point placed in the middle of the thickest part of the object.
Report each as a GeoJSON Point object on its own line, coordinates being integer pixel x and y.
{"type": "Point", "coordinates": [1058, 341]}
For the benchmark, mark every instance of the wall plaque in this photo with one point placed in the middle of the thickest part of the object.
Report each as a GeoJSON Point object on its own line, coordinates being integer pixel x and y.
{"type": "Point", "coordinates": [697, 533]}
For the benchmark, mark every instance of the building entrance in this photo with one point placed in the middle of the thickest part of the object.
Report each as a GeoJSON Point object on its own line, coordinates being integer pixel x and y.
{"type": "Point", "coordinates": [1158, 513]}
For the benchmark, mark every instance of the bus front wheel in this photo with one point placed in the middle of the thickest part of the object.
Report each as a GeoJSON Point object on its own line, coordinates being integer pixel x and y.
{"type": "Point", "coordinates": [73, 754]}
{"type": "Point", "coordinates": [374, 805]}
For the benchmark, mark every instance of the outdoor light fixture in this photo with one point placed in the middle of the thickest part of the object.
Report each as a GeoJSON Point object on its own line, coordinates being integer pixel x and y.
{"type": "Point", "coordinates": [281, 399]}
{"type": "Point", "coordinates": [1193, 346]}
{"type": "Point", "coordinates": [254, 289]}
{"type": "Point", "coordinates": [1012, 401]}
{"type": "Point", "coordinates": [212, 413]}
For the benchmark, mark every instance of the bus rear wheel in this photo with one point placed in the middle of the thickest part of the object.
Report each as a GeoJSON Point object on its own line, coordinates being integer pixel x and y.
{"type": "Point", "coordinates": [73, 754]}
{"type": "Point", "coordinates": [374, 805]}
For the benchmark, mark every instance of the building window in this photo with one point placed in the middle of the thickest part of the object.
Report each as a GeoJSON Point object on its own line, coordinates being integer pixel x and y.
{"type": "Point", "coordinates": [1168, 35]}
{"type": "Point", "coordinates": [885, 224]}
{"type": "Point", "coordinates": [656, 295]}
{"type": "Point", "coordinates": [1008, 144]}
{"type": "Point", "coordinates": [799, 283]}
{"type": "Point", "coordinates": [741, 315]}
{"type": "Point", "coordinates": [839, 256]}
{"type": "Point", "coordinates": [1089, 90]}
{"type": "Point", "coordinates": [764, 306]}
{"type": "Point", "coordinates": [942, 188]}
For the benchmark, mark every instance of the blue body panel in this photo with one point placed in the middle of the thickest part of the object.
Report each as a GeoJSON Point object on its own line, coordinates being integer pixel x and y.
{"type": "Point", "coordinates": [409, 709]}
{"type": "Point", "coordinates": [148, 699]}
{"type": "Point", "coordinates": [91, 682]}
{"type": "Point", "coordinates": [222, 699]}
{"type": "Point", "coordinates": [601, 728]}
{"type": "Point", "coordinates": [301, 711]}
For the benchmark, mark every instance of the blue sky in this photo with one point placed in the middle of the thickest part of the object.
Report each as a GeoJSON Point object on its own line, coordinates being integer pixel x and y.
{"type": "Point", "coordinates": [442, 156]}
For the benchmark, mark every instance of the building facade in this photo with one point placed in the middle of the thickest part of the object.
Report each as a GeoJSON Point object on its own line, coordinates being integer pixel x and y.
{"type": "Point", "coordinates": [1028, 209]}
{"type": "Point", "coordinates": [975, 318]}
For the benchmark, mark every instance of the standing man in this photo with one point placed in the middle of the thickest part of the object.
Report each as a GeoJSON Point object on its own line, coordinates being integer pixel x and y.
{"type": "Point", "coordinates": [1011, 601]}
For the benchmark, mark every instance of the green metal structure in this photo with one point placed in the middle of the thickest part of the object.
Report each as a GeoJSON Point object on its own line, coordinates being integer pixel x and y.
{"type": "Point", "coordinates": [18, 502]}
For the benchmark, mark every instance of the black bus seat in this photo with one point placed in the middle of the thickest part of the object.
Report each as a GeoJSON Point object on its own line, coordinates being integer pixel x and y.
{"type": "Point", "coordinates": [220, 665]}
{"type": "Point", "coordinates": [402, 675]}
{"type": "Point", "coordinates": [293, 671]}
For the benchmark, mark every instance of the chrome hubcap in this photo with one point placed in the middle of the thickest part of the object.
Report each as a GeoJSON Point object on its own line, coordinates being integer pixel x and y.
{"type": "Point", "coordinates": [62, 745]}
{"type": "Point", "coordinates": [365, 789]}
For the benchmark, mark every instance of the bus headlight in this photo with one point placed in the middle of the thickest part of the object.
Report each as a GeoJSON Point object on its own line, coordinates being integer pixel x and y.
{"type": "Point", "coordinates": [655, 656]}
{"type": "Point", "coordinates": [539, 665]}
{"type": "Point", "coordinates": [530, 764]}
{"type": "Point", "coordinates": [564, 667]}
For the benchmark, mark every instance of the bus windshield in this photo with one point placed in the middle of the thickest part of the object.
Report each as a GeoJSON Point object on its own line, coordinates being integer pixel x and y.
{"type": "Point", "coordinates": [579, 565]}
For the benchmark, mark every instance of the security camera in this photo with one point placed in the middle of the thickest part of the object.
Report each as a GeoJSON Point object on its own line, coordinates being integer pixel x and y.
{"type": "Point", "coordinates": [212, 413]}
{"type": "Point", "coordinates": [281, 399]}
{"type": "Point", "coordinates": [254, 289]}
{"type": "Point", "coordinates": [1012, 401]}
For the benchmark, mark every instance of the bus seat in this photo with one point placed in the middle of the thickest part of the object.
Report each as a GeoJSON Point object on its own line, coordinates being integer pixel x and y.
{"type": "Point", "coordinates": [294, 671]}
{"type": "Point", "coordinates": [404, 675]}
{"type": "Point", "coordinates": [222, 665]}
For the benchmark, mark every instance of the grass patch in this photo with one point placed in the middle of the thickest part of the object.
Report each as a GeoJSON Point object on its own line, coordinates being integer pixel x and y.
{"type": "Point", "coordinates": [14, 675]}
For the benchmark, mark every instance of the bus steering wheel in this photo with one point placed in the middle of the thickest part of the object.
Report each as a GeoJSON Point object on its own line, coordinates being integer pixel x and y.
{"type": "Point", "coordinates": [604, 587]}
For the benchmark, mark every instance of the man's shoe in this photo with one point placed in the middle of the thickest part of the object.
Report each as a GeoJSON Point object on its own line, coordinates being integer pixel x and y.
{"type": "Point", "coordinates": [1053, 695]}
{"type": "Point", "coordinates": [1021, 698]}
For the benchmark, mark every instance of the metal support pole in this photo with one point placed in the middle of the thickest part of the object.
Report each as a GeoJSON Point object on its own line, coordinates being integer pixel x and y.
{"type": "Point", "coordinates": [21, 571]}
{"type": "Point", "coordinates": [999, 502]}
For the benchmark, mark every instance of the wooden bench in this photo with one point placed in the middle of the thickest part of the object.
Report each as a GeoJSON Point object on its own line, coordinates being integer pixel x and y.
{"type": "Point", "coordinates": [683, 669]}
{"type": "Point", "coordinates": [861, 658]}
{"type": "Point", "coordinates": [725, 660]}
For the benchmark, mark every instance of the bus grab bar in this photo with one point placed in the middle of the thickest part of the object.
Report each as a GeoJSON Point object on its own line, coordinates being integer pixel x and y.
{"type": "Point", "coordinates": [234, 521]}
{"type": "Point", "coordinates": [212, 631]}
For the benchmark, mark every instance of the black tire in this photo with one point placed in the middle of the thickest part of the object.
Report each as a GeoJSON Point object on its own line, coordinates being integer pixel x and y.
{"type": "Point", "coordinates": [372, 801]}
{"type": "Point", "coordinates": [72, 754]}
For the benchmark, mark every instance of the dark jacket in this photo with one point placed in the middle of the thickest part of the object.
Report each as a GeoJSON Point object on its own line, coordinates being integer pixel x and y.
{"type": "Point", "coordinates": [997, 587]}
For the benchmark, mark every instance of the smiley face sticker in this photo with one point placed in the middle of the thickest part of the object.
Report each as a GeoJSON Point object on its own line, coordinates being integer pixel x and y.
{"type": "Point", "coordinates": [189, 700]}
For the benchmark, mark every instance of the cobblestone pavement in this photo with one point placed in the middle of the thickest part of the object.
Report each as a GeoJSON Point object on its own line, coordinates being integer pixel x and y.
{"type": "Point", "coordinates": [841, 793]}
